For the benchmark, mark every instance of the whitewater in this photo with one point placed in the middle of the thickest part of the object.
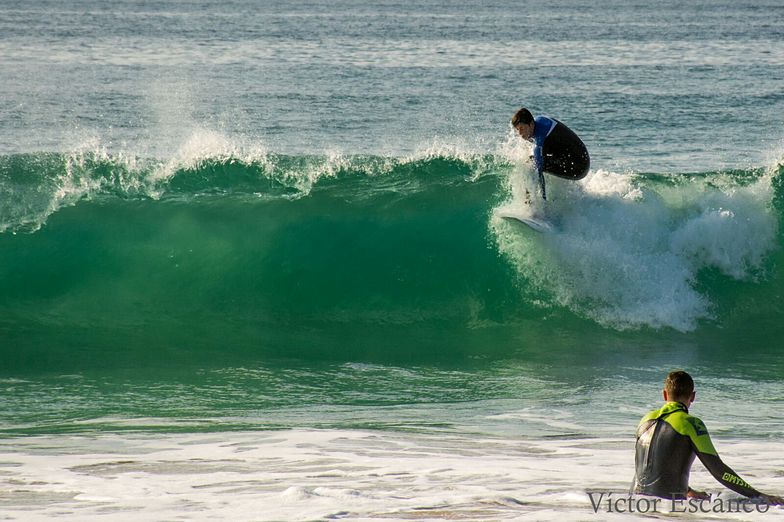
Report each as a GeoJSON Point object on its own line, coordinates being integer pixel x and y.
{"type": "Point", "coordinates": [630, 249]}
{"type": "Point", "coordinates": [252, 265]}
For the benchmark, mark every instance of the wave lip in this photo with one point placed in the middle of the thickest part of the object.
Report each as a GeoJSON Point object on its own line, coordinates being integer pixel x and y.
{"type": "Point", "coordinates": [35, 186]}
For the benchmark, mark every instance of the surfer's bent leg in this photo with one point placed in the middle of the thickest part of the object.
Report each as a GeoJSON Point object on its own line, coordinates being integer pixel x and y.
{"type": "Point", "coordinates": [564, 154]}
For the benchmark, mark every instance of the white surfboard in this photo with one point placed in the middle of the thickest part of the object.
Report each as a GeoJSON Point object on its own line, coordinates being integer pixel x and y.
{"type": "Point", "coordinates": [538, 224]}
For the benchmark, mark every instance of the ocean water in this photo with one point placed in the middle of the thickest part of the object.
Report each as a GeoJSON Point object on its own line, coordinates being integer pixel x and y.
{"type": "Point", "coordinates": [251, 265]}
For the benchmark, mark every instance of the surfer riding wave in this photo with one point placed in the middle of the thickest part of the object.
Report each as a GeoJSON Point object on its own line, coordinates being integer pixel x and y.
{"type": "Point", "coordinates": [557, 149]}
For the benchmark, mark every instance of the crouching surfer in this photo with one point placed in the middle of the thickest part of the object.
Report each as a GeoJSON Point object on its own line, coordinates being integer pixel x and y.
{"type": "Point", "coordinates": [557, 149]}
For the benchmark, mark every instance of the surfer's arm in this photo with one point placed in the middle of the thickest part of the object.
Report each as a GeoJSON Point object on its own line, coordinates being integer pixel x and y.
{"type": "Point", "coordinates": [708, 455]}
{"type": "Point", "coordinates": [773, 500]}
{"type": "Point", "coordinates": [538, 160]}
{"type": "Point", "coordinates": [728, 478]}
{"type": "Point", "coordinates": [539, 165]}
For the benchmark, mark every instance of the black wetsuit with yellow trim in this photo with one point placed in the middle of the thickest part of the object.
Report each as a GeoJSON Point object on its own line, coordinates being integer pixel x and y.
{"type": "Point", "coordinates": [668, 439]}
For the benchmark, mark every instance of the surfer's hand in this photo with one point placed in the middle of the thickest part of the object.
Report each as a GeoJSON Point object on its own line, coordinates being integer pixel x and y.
{"type": "Point", "coordinates": [699, 495]}
{"type": "Point", "coordinates": [773, 500]}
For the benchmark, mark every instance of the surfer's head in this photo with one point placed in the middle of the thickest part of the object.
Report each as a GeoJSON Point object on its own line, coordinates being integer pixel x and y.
{"type": "Point", "coordinates": [523, 122]}
{"type": "Point", "coordinates": [679, 387]}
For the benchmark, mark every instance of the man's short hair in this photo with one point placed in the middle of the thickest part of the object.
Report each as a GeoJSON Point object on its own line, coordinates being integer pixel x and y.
{"type": "Point", "coordinates": [522, 116]}
{"type": "Point", "coordinates": [679, 384]}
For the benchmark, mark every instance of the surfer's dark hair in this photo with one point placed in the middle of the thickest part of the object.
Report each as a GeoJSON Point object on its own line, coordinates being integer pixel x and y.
{"type": "Point", "coordinates": [679, 384]}
{"type": "Point", "coordinates": [523, 116]}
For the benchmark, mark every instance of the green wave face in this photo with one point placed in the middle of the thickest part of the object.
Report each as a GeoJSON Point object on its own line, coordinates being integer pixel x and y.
{"type": "Point", "coordinates": [114, 261]}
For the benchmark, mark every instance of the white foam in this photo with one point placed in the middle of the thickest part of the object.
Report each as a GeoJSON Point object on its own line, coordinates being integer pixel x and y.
{"type": "Point", "coordinates": [203, 144]}
{"type": "Point", "coordinates": [307, 475]}
{"type": "Point", "coordinates": [28, 209]}
{"type": "Point", "coordinates": [628, 252]}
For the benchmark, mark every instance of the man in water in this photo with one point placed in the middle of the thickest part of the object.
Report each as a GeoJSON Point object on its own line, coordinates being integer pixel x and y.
{"type": "Point", "coordinates": [557, 150]}
{"type": "Point", "coordinates": [669, 438]}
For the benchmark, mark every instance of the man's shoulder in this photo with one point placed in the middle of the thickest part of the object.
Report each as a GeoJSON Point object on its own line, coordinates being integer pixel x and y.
{"type": "Point", "coordinates": [680, 420]}
{"type": "Point", "coordinates": [687, 424]}
{"type": "Point", "coordinates": [697, 424]}
{"type": "Point", "coordinates": [543, 126]}
{"type": "Point", "coordinates": [542, 119]}
{"type": "Point", "coordinates": [651, 415]}
{"type": "Point", "coordinates": [698, 433]}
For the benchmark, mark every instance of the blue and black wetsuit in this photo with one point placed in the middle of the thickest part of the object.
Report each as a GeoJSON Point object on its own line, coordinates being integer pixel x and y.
{"type": "Point", "coordinates": [668, 439]}
{"type": "Point", "coordinates": [558, 151]}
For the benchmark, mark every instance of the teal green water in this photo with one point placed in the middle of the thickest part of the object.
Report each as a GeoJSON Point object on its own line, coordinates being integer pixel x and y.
{"type": "Point", "coordinates": [371, 259]}
{"type": "Point", "coordinates": [248, 215]}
